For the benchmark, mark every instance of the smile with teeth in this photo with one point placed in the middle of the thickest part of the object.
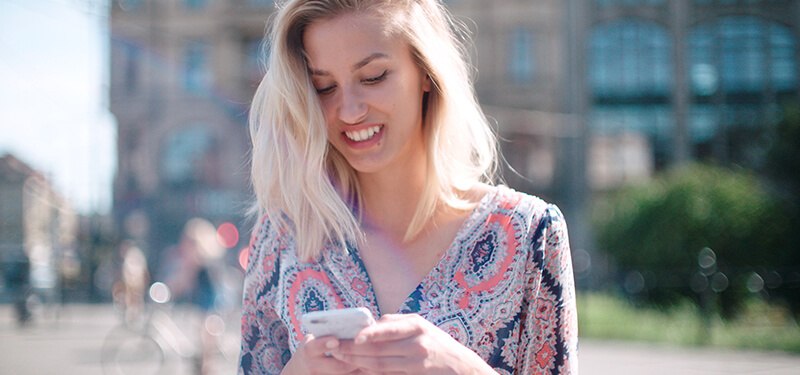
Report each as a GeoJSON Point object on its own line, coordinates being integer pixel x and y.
{"type": "Point", "coordinates": [363, 134]}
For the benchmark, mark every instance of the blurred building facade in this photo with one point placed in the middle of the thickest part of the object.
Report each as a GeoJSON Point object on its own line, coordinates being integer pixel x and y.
{"type": "Point", "coordinates": [590, 95]}
{"type": "Point", "coordinates": [668, 80]}
{"type": "Point", "coordinates": [182, 75]}
{"type": "Point", "coordinates": [586, 95]}
{"type": "Point", "coordinates": [38, 228]}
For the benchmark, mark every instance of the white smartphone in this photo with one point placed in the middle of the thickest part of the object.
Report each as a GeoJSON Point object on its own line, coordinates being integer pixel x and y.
{"type": "Point", "coordinates": [343, 324]}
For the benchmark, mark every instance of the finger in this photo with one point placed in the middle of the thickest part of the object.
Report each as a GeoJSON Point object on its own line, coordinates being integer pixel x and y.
{"type": "Point", "coordinates": [319, 347]}
{"type": "Point", "coordinates": [332, 365]}
{"type": "Point", "coordinates": [390, 329]}
{"type": "Point", "coordinates": [390, 348]}
{"type": "Point", "coordinates": [375, 364]}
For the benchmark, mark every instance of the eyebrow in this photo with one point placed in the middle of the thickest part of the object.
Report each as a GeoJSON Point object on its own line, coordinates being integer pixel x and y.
{"type": "Point", "coordinates": [356, 66]}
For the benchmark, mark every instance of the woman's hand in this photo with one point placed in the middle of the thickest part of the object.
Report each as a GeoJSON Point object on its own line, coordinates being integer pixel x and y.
{"type": "Point", "coordinates": [313, 357]}
{"type": "Point", "coordinates": [409, 344]}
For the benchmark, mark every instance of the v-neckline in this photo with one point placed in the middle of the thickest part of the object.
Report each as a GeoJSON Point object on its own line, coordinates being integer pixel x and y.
{"type": "Point", "coordinates": [463, 230]}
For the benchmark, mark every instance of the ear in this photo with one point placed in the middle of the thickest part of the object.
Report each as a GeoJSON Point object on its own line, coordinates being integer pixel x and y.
{"type": "Point", "coordinates": [427, 83]}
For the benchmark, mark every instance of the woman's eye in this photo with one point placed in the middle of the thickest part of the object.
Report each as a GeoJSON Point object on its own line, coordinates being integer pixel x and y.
{"type": "Point", "coordinates": [325, 90]}
{"type": "Point", "coordinates": [377, 79]}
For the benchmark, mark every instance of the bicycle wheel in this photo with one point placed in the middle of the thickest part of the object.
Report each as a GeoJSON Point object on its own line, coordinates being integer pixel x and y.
{"type": "Point", "coordinates": [126, 352]}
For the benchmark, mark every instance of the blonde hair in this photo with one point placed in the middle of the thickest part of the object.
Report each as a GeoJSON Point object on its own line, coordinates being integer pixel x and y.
{"type": "Point", "coordinates": [303, 183]}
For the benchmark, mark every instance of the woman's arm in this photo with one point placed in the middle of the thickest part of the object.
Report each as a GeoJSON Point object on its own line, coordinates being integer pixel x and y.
{"type": "Point", "coordinates": [265, 340]}
{"type": "Point", "coordinates": [549, 332]}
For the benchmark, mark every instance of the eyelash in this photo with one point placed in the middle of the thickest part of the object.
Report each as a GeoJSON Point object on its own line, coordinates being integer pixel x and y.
{"type": "Point", "coordinates": [368, 81]}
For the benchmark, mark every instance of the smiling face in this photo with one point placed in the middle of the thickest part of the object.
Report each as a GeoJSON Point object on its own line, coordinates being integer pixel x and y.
{"type": "Point", "coordinates": [370, 89]}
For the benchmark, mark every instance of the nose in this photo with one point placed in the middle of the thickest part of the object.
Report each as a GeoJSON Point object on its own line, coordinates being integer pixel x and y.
{"type": "Point", "coordinates": [352, 107]}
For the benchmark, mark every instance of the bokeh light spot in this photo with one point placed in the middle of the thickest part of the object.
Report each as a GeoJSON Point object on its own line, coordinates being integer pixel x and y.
{"type": "Point", "coordinates": [227, 235]}
{"type": "Point", "coordinates": [159, 292]}
{"type": "Point", "coordinates": [244, 254]}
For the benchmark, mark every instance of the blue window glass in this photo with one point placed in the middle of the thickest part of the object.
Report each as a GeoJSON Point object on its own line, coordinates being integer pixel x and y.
{"type": "Point", "coordinates": [130, 5]}
{"type": "Point", "coordinates": [783, 56]}
{"type": "Point", "coordinates": [183, 153]}
{"type": "Point", "coordinates": [741, 55]}
{"type": "Point", "coordinates": [255, 54]}
{"type": "Point", "coordinates": [260, 3]}
{"type": "Point", "coordinates": [194, 4]}
{"type": "Point", "coordinates": [197, 67]}
{"type": "Point", "coordinates": [630, 58]}
{"type": "Point", "coordinates": [521, 56]}
{"type": "Point", "coordinates": [703, 70]}
{"type": "Point", "coordinates": [131, 67]}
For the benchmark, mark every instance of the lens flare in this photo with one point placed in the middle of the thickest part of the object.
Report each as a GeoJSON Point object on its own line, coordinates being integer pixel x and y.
{"type": "Point", "coordinates": [227, 235]}
{"type": "Point", "coordinates": [244, 254]}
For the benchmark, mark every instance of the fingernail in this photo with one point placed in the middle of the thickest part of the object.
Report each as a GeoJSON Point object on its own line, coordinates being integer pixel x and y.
{"type": "Point", "coordinates": [360, 339]}
{"type": "Point", "coordinates": [338, 356]}
{"type": "Point", "coordinates": [332, 344]}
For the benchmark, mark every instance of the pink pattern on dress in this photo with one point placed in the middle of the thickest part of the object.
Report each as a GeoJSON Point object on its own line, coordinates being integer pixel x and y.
{"type": "Point", "coordinates": [503, 289]}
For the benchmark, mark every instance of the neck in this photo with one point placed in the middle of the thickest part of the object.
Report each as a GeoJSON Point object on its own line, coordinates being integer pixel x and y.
{"type": "Point", "coordinates": [391, 196]}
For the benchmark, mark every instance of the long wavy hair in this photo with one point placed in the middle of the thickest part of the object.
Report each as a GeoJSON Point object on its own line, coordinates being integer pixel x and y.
{"type": "Point", "coordinates": [302, 183]}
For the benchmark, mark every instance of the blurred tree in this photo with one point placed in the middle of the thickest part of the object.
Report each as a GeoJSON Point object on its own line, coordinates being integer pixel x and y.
{"type": "Point", "coordinates": [783, 155]}
{"type": "Point", "coordinates": [783, 169]}
{"type": "Point", "coordinates": [657, 231]}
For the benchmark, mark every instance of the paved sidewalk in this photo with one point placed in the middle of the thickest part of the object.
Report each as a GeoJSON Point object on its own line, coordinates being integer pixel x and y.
{"type": "Point", "coordinates": [69, 342]}
{"type": "Point", "coordinates": [626, 358]}
{"type": "Point", "coordinates": [70, 345]}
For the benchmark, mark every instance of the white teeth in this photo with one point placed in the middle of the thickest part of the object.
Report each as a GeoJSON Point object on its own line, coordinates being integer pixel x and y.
{"type": "Point", "coordinates": [363, 134]}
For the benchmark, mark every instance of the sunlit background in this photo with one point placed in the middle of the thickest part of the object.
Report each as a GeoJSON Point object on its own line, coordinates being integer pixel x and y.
{"type": "Point", "coordinates": [667, 131]}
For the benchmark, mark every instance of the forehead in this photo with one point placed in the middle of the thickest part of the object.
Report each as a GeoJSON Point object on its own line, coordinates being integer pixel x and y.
{"type": "Point", "coordinates": [348, 38]}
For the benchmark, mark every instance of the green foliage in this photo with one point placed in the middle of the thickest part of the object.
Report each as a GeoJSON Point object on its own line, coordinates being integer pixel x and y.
{"type": "Point", "coordinates": [760, 325]}
{"type": "Point", "coordinates": [658, 228]}
{"type": "Point", "coordinates": [783, 156]}
{"type": "Point", "coordinates": [783, 165]}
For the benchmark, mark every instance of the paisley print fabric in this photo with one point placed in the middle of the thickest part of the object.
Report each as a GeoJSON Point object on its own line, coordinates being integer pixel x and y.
{"type": "Point", "coordinates": [504, 289]}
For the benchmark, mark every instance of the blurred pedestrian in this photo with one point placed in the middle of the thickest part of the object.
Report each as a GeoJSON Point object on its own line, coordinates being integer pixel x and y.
{"type": "Point", "coordinates": [129, 290]}
{"type": "Point", "coordinates": [17, 277]}
{"type": "Point", "coordinates": [193, 274]}
{"type": "Point", "coordinates": [372, 163]}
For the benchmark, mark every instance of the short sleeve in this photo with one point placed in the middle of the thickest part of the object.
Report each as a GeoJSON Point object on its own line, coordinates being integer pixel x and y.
{"type": "Point", "coordinates": [549, 329]}
{"type": "Point", "coordinates": [265, 339]}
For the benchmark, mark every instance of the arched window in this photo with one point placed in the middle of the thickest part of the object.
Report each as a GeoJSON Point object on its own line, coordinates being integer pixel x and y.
{"type": "Point", "coordinates": [630, 59]}
{"type": "Point", "coordinates": [739, 67]}
{"type": "Point", "coordinates": [630, 76]}
{"type": "Point", "coordinates": [741, 55]}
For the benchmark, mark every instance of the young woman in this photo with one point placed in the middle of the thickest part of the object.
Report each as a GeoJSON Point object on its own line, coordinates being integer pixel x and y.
{"type": "Point", "coordinates": [371, 164]}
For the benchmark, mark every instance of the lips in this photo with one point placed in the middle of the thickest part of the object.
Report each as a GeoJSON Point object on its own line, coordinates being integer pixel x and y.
{"type": "Point", "coordinates": [363, 134]}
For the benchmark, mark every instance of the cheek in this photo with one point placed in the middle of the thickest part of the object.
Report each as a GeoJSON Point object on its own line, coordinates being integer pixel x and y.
{"type": "Point", "coordinates": [328, 113]}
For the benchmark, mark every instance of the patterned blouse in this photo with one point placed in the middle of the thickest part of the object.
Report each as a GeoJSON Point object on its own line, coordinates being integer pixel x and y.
{"type": "Point", "coordinates": [504, 289]}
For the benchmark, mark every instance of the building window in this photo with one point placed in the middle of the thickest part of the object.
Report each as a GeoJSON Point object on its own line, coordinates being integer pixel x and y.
{"type": "Point", "coordinates": [194, 4]}
{"type": "Point", "coordinates": [742, 54]}
{"type": "Point", "coordinates": [630, 74]}
{"type": "Point", "coordinates": [260, 3]}
{"type": "Point", "coordinates": [630, 3]}
{"type": "Point", "coordinates": [131, 74]}
{"type": "Point", "coordinates": [129, 5]}
{"type": "Point", "coordinates": [198, 77]}
{"type": "Point", "coordinates": [739, 68]}
{"type": "Point", "coordinates": [630, 59]}
{"type": "Point", "coordinates": [746, 53]}
{"type": "Point", "coordinates": [190, 156]}
{"type": "Point", "coordinates": [783, 47]}
{"type": "Point", "coordinates": [255, 54]}
{"type": "Point", "coordinates": [521, 56]}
